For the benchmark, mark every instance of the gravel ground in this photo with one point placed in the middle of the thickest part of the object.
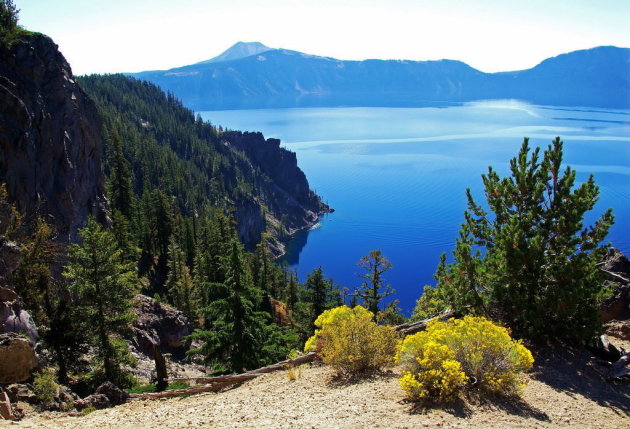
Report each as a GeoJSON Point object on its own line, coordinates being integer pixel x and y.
{"type": "Point", "coordinates": [566, 389]}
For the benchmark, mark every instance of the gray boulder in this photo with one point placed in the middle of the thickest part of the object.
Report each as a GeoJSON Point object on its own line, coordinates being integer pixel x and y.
{"type": "Point", "coordinates": [159, 324]}
{"type": "Point", "coordinates": [97, 400]}
{"type": "Point", "coordinates": [115, 395]}
{"type": "Point", "coordinates": [13, 317]}
{"type": "Point", "coordinates": [17, 358]}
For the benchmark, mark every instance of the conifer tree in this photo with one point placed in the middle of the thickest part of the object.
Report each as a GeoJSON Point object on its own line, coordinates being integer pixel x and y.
{"type": "Point", "coordinates": [236, 339]}
{"type": "Point", "coordinates": [47, 299]}
{"type": "Point", "coordinates": [291, 293]}
{"type": "Point", "coordinates": [182, 289]}
{"type": "Point", "coordinates": [8, 22]}
{"type": "Point", "coordinates": [188, 296]}
{"type": "Point", "coordinates": [538, 272]}
{"type": "Point", "coordinates": [262, 268]}
{"type": "Point", "coordinates": [372, 290]}
{"type": "Point", "coordinates": [105, 285]}
{"type": "Point", "coordinates": [176, 266]}
{"type": "Point", "coordinates": [121, 229]}
{"type": "Point", "coordinates": [120, 188]}
{"type": "Point", "coordinates": [317, 288]}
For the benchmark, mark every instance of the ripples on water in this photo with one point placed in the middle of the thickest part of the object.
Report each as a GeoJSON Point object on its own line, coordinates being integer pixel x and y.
{"type": "Point", "coordinates": [397, 177]}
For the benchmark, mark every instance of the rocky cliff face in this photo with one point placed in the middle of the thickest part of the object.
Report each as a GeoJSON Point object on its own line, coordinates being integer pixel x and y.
{"type": "Point", "coordinates": [50, 146]}
{"type": "Point", "coordinates": [282, 188]}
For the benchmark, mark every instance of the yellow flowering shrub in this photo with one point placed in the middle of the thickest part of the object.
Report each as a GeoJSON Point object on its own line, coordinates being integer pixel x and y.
{"type": "Point", "coordinates": [349, 341]}
{"type": "Point", "coordinates": [449, 355]}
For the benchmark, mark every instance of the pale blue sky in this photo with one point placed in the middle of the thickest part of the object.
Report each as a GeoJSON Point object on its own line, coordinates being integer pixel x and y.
{"type": "Point", "coordinates": [492, 35]}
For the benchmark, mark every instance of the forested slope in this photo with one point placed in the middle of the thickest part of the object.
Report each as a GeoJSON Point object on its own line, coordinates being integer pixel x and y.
{"type": "Point", "coordinates": [195, 165]}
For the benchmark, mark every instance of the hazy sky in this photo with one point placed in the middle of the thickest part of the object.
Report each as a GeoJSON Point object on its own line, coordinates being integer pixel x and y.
{"type": "Point", "coordinates": [105, 36]}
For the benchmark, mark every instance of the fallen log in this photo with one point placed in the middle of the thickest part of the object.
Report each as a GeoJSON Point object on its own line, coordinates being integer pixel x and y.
{"type": "Point", "coordinates": [309, 357]}
{"type": "Point", "coordinates": [219, 379]}
{"type": "Point", "coordinates": [235, 378]}
{"type": "Point", "coordinates": [616, 276]}
{"type": "Point", "coordinates": [412, 328]}
{"type": "Point", "coordinates": [215, 387]}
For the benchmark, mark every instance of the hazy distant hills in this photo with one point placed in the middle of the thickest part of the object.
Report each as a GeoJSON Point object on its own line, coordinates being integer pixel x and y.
{"type": "Point", "coordinates": [251, 75]}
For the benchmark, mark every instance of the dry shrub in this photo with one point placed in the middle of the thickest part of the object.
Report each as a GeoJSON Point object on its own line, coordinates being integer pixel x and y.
{"type": "Point", "coordinates": [470, 351]}
{"type": "Point", "coordinates": [351, 342]}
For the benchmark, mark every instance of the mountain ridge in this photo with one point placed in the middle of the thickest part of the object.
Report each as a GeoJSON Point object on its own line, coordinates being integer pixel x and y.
{"type": "Point", "coordinates": [237, 51]}
{"type": "Point", "coordinates": [276, 78]}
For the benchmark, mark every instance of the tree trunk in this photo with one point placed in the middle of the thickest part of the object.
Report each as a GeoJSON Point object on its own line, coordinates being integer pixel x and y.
{"type": "Point", "coordinates": [160, 368]}
{"type": "Point", "coordinates": [412, 328]}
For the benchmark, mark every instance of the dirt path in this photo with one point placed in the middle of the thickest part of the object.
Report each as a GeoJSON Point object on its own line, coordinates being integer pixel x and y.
{"type": "Point", "coordinates": [567, 391]}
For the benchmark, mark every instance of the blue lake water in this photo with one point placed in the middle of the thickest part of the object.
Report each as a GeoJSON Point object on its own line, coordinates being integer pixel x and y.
{"type": "Point", "coordinates": [396, 177]}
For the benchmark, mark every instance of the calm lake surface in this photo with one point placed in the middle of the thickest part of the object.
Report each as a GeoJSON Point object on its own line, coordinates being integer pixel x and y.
{"type": "Point", "coordinates": [397, 176]}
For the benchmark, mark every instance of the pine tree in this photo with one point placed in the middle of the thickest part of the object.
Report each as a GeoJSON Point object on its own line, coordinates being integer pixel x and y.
{"type": "Point", "coordinates": [262, 268]}
{"type": "Point", "coordinates": [176, 266]}
{"type": "Point", "coordinates": [291, 294]}
{"type": "Point", "coordinates": [238, 331]}
{"type": "Point", "coordinates": [124, 238]}
{"type": "Point", "coordinates": [120, 188]}
{"type": "Point", "coordinates": [538, 271]}
{"type": "Point", "coordinates": [188, 296]}
{"type": "Point", "coordinates": [317, 288]}
{"type": "Point", "coordinates": [183, 291]}
{"type": "Point", "coordinates": [105, 286]}
{"type": "Point", "coordinates": [372, 290]}
{"type": "Point", "coordinates": [8, 22]}
{"type": "Point", "coordinates": [47, 299]}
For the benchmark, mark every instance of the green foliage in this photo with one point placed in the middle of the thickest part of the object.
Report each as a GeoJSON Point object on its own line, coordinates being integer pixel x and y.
{"type": "Point", "coordinates": [532, 263]}
{"type": "Point", "coordinates": [105, 285]}
{"type": "Point", "coordinates": [10, 213]}
{"type": "Point", "coordinates": [240, 336]}
{"type": "Point", "coordinates": [45, 387]}
{"type": "Point", "coordinates": [351, 342]}
{"type": "Point", "coordinates": [88, 410]}
{"type": "Point", "coordinates": [122, 230]}
{"type": "Point", "coordinates": [120, 189]}
{"type": "Point", "coordinates": [372, 290]}
{"type": "Point", "coordinates": [429, 304]}
{"type": "Point", "coordinates": [32, 278]}
{"type": "Point", "coordinates": [183, 291]}
{"type": "Point", "coordinates": [438, 362]}
{"type": "Point", "coordinates": [151, 388]}
{"type": "Point", "coordinates": [392, 315]}
{"type": "Point", "coordinates": [317, 294]}
{"type": "Point", "coordinates": [47, 298]}
{"type": "Point", "coordinates": [9, 30]}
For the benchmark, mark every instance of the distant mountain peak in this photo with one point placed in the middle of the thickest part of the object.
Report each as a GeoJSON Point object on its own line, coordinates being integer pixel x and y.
{"type": "Point", "coordinates": [239, 50]}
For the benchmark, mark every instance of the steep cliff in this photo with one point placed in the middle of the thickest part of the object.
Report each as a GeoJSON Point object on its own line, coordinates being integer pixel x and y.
{"type": "Point", "coordinates": [50, 145]}
{"type": "Point", "coordinates": [283, 203]}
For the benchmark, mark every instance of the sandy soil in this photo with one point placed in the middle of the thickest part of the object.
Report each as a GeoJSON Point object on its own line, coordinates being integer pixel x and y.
{"type": "Point", "coordinates": [565, 391]}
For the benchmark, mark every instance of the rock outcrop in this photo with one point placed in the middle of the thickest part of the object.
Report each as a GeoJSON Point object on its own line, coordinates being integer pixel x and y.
{"type": "Point", "coordinates": [17, 358]}
{"type": "Point", "coordinates": [49, 137]}
{"type": "Point", "coordinates": [115, 395]}
{"type": "Point", "coordinates": [617, 268]}
{"type": "Point", "coordinates": [97, 400]}
{"type": "Point", "coordinates": [159, 324]}
{"type": "Point", "coordinates": [13, 316]}
{"type": "Point", "coordinates": [290, 204]}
